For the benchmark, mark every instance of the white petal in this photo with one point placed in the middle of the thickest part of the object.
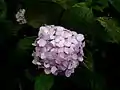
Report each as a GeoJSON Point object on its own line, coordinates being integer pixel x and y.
{"type": "Point", "coordinates": [43, 56]}
{"type": "Point", "coordinates": [75, 64]}
{"type": "Point", "coordinates": [34, 62]}
{"type": "Point", "coordinates": [47, 71]}
{"type": "Point", "coordinates": [58, 33]}
{"type": "Point", "coordinates": [80, 59]}
{"type": "Point", "coordinates": [41, 30]}
{"type": "Point", "coordinates": [59, 28]}
{"type": "Point", "coordinates": [53, 69]}
{"type": "Point", "coordinates": [46, 65]}
{"type": "Point", "coordinates": [74, 41]}
{"type": "Point", "coordinates": [80, 37]}
{"type": "Point", "coordinates": [67, 34]}
{"type": "Point", "coordinates": [54, 50]}
{"type": "Point", "coordinates": [70, 66]}
{"type": "Point", "coordinates": [52, 37]}
{"type": "Point", "coordinates": [74, 33]}
{"type": "Point", "coordinates": [51, 31]}
{"type": "Point", "coordinates": [53, 42]}
{"type": "Point", "coordinates": [38, 63]}
{"type": "Point", "coordinates": [68, 73]}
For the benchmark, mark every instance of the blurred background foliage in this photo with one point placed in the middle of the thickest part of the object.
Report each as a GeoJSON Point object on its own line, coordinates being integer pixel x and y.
{"type": "Point", "coordinates": [98, 20]}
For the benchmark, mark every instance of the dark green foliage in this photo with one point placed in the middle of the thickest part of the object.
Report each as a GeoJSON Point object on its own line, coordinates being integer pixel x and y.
{"type": "Point", "coordinates": [96, 19]}
{"type": "Point", "coordinates": [43, 82]}
{"type": "Point", "coordinates": [39, 13]}
{"type": "Point", "coordinates": [111, 27]}
{"type": "Point", "coordinates": [79, 16]}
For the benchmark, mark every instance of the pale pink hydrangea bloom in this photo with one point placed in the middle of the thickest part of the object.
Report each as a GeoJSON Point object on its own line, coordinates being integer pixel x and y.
{"type": "Point", "coordinates": [58, 50]}
{"type": "Point", "coordinates": [20, 16]}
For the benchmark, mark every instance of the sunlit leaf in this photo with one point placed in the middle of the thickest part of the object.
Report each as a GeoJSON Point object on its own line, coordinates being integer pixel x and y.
{"type": "Point", "coordinates": [111, 27]}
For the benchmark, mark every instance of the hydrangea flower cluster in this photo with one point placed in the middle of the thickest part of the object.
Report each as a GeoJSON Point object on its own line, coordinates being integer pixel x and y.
{"type": "Point", "coordinates": [20, 16]}
{"type": "Point", "coordinates": [58, 50]}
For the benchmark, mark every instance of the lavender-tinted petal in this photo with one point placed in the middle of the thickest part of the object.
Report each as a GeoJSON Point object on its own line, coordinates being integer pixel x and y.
{"type": "Point", "coordinates": [53, 42]}
{"type": "Point", "coordinates": [74, 33]}
{"type": "Point", "coordinates": [70, 65]}
{"type": "Point", "coordinates": [68, 73]}
{"type": "Point", "coordinates": [58, 61]}
{"type": "Point", "coordinates": [52, 37]}
{"type": "Point", "coordinates": [66, 50]}
{"type": "Point", "coordinates": [67, 44]}
{"type": "Point", "coordinates": [41, 42]}
{"type": "Point", "coordinates": [65, 63]}
{"type": "Point", "coordinates": [74, 56]}
{"type": "Point", "coordinates": [83, 44]}
{"type": "Point", "coordinates": [61, 55]}
{"type": "Point", "coordinates": [60, 50]}
{"type": "Point", "coordinates": [53, 69]}
{"type": "Point", "coordinates": [46, 65]}
{"type": "Point", "coordinates": [61, 67]}
{"type": "Point", "coordinates": [75, 63]}
{"type": "Point", "coordinates": [60, 44]}
{"type": "Point", "coordinates": [43, 56]}
{"type": "Point", "coordinates": [74, 41]}
{"type": "Point", "coordinates": [79, 37]}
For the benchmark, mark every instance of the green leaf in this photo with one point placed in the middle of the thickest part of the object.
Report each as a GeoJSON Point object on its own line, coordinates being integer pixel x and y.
{"type": "Point", "coordinates": [99, 4]}
{"type": "Point", "coordinates": [66, 3]}
{"type": "Point", "coordinates": [25, 43]}
{"type": "Point", "coordinates": [116, 4]}
{"type": "Point", "coordinates": [22, 52]}
{"type": "Point", "coordinates": [42, 12]}
{"type": "Point", "coordinates": [111, 27]}
{"type": "Point", "coordinates": [88, 62]}
{"type": "Point", "coordinates": [9, 27]}
{"type": "Point", "coordinates": [78, 17]}
{"type": "Point", "coordinates": [28, 75]}
{"type": "Point", "coordinates": [3, 9]}
{"type": "Point", "coordinates": [97, 82]}
{"type": "Point", "coordinates": [43, 82]}
{"type": "Point", "coordinates": [81, 78]}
